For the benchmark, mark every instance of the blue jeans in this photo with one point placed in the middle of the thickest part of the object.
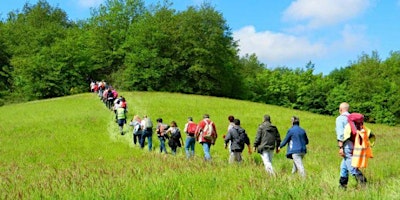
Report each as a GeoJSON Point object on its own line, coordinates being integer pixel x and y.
{"type": "Point", "coordinates": [206, 149]}
{"type": "Point", "coordinates": [149, 134]}
{"type": "Point", "coordinates": [189, 144]}
{"type": "Point", "coordinates": [162, 144]}
{"type": "Point", "coordinates": [345, 166]}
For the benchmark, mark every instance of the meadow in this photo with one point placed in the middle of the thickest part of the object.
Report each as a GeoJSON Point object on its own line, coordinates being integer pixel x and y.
{"type": "Point", "coordinates": [70, 148]}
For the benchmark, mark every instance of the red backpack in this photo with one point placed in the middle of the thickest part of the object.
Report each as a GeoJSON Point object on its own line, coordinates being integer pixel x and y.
{"type": "Point", "coordinates": [191, 129]}
{"type": "Point", "coordinates": [355, 119]}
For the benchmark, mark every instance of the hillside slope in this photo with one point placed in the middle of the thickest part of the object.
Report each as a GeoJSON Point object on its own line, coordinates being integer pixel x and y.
{"type": "Point", "coordinates": [70, 148]}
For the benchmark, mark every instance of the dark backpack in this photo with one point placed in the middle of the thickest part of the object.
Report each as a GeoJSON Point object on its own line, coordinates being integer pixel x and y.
{"type": "Point", "coordinates": [243, 138]}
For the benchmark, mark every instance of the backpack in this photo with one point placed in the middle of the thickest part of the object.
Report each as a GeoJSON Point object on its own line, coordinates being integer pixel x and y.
{"type": "Point", "coordinates": [353, 119]}
{"type": "Point", "coordinates": [148, 123]}
{"type": "Point", "coordinates": [243, 138]}
{"type": "Point", "coordinates": [191, 129]}
{"type": "Point", "coordinates": [176, 135]}
{"type": "Point", "coordinates": [208, 131]}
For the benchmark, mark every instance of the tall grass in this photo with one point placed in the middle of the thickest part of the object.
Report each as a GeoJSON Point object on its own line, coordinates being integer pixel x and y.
{"type": "Point", "coordinates": [68, 148]}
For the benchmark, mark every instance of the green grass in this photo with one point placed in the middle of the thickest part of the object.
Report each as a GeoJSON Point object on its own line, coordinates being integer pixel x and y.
{"type": "Point", "coordinates": [70, 148]}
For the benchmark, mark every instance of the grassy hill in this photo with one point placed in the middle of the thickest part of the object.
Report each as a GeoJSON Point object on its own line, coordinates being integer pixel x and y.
{"type": "Point", "coordinates": [68, 148]}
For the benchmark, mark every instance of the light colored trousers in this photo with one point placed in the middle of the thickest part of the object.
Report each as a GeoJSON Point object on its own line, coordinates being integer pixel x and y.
{"type": "Point", "coordinates": [298, 164]}
{"type": "Point", "coordinates": [267, 159]}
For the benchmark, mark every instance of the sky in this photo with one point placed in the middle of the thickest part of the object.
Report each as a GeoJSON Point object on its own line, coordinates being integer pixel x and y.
{"type": "Point", "coordinates": [329, 33]}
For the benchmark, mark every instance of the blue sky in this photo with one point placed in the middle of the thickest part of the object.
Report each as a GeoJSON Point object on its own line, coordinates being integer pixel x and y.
{"type": "Point", "coordinates": [329, 33]}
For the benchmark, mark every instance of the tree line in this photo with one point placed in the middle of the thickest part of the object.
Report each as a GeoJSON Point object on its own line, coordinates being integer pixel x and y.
{"type": "Point", "coordinates": [44, 54]}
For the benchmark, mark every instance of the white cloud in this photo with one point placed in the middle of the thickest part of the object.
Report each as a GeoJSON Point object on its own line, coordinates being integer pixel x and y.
{"type": "Point", "coordinates": [276, 47]}
{"type": "Point", "coordinates": [89, 3]}
{"type": "Point", "coordinates": [318, 13]}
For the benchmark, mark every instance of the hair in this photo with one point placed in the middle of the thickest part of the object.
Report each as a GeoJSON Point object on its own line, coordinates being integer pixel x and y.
{"type": "Point", "coordinates": [206, 116]}
{"type": "Point", "coordinates": [236, 121]}
{"type": "Point", "coordinates": [174, 124]}
{"type": "Point", "coordinates": [190, 118]}
{"type": "Point", "coordinates": [159, 120]}
{"type": "Point", "coordinates": [136, 117]}
{"type": "Point", "coordinates": [295, 121]}
{"type": "Point", "coordinates": [267, 118]}
{"type": "Point", "coordinates": [231, 118]}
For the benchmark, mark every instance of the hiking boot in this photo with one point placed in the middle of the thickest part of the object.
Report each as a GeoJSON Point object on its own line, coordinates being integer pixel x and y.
{"type": "Point", "coordinates": [343, 182]}
{"type": "Point", "coordinates": [361, 180]}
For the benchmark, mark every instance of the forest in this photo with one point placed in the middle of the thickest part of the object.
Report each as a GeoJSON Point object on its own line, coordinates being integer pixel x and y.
{"type": "Point", "coordinates": [44, 54]}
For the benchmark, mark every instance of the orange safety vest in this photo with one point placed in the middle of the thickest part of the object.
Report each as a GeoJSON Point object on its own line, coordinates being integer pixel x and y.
{"type": "Point", "coordinates": [362, 149]}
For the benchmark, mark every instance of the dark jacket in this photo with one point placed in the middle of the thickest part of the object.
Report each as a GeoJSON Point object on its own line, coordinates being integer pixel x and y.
{"type": "Point", "coordinates": [297, 139]}
{"type": "Point", "coordinates": [237, 145]}
{"type": "Point", "coordinates": [267, 137]}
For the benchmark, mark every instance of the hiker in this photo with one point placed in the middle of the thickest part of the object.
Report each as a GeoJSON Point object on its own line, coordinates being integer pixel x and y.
{"type": "Point", "coordinates": [346, 147]}
{"type": "Point", "coordinates": [206, 134]}
{"type": "Point", "coordinates": [230, 125]}
{"type": "Point", "coordinates": [297, 139]}
{"type": "Point", "coordinates": [161, 133]}
{"type": "Point", "coordinates": [137, 130]}
{"type": "Point", "coordinates": [120, 116]}
{"type": "Point", "coordinates": [110, 98]}
{"type": "Point", "coordinates": [174, 137]}
{"type": "Point", "coordinates": [267, 139]}
{"type": "Point", "coordinates": [147, 132]}
{"type": "Point", "coordinates": [190, 130]}
{"type": "Point", "coordinates": [362, 138]}
{"type": "Point", "coordinates": [237, 138]}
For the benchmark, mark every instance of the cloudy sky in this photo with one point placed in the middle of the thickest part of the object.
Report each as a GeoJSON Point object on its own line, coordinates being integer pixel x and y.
{"type": "Point", "coordinates": [329, 33]}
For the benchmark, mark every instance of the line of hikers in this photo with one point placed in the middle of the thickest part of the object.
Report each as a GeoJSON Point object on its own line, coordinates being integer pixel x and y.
{"type": "Point", "coordinates": [354, 138]}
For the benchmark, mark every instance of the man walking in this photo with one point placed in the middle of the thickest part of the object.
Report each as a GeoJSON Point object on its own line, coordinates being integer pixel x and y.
{"type": "Point", "coordinates": [190, 130]}
{"type": "Point", "coordinates": [346, 146]}
{"type": "Point", "coordinates": [267, 139]}
{"type": "Point", "coordinates": [237, 138]}
{"type": "Point", "coordinates": [206, 134]}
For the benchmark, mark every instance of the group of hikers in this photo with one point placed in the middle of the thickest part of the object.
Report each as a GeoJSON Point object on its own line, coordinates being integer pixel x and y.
{"type": "Point", "coordinates": [354, 138]}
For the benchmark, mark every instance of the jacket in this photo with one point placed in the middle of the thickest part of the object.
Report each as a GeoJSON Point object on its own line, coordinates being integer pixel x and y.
{"type": "Point", "coordinates": [297, 139]}
{"type": "Point", "coordinates": [233, 135]}
{"type": "Point", "coordinates": [267, 137]}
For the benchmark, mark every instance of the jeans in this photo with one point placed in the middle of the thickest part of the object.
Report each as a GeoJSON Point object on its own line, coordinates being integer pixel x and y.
{"type": "Point", "coordinates": [149, 134]}
{"type": "Point", "coordinates": [189, 146]}
{"type": "Point", "coordinates": [345, 166]}
{"type": "Point", "coordinates": [206, 149]}
{"type": "Point", "coordinates": [267, 156]}
{"type": "Point", "coordinates": [162, 144]}
{"type": "Point", "coordinates": [298, 164]}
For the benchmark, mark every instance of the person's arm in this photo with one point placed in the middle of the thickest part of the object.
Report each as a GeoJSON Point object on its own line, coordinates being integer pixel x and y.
{"type": "Point", "coordinates": [228, 137]}
{"type": "Point", "coordinates": [186, 127]}
{"type": "Point", "coordinates": [248, 144]}
{"type": "Point", "coordinates": [286, 140]}
{"type": "Point", "coordinates": [278, 140]}
{"type": "Point", "coordinates": [257, 140]}
{"type": "Point", "coordinates": [340, 134]}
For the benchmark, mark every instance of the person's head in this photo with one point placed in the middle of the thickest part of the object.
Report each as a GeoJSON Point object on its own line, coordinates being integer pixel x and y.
{"type": "Point", "coordinates": [144, 116]}
{"type": "Point", "coordinates": [173, 124]}
{"type": "Point", "coordinates": [190, 119]}
{"type": "Point", "coordinates": [122, 99]}
{"type": "Point", "coordinates": [205, 116]}
{"type": "Point", "coordinates": [159, 120]}
{"type": "Point", "coordinates": [344, 107]}
{"type": "Point", "coordinates": [295, 121]}
{"type": "Point", "coordinates": [236, 122]}
{"type": "Point", "coordinates": [267, 118]}
{"type": "Point", "coordinates": [136, 118]}
{"type": "Point", "coordinates": [231, 118]}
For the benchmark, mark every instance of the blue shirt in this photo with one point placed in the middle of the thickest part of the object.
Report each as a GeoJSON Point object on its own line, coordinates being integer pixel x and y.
{"type": "Point", "coordinates": [341, 122]}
